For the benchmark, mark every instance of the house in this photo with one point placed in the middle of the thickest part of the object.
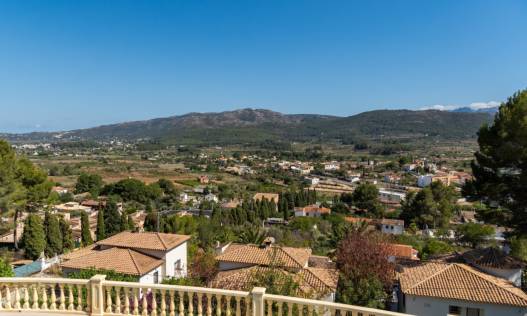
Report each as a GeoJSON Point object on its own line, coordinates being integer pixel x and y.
{"type": "Point", "coordinates": [203, 179]}
{"type": "Point", "coordinates": [268, 196]}
{"type": "Point", "coordinates": [311, 211]}
{"type": "Point", "coordinates": [397, 252]}
{"type": "Point", "coordinates": [331, 166]}
{"type": "Point", "coordinates": [239, 263]}
{"type": "Point", "coordinates": [439, 289]}
{"type": "Point", "coordinates": [150, 257]}
{"type": "Point", "coordinates": [211, 198]}
{"type": "Point", "coordinates": [59, 190]}
{"type": "Point", "coordinates": [311, 181]}
{"type": "Point", "coordinates": [496, 262]}
{"type": "Point", "coordinates": [391, 197]}
{"type": "Point", "coordinates": [385, 225]}
{"type": "Point", "coordinates": [70, 207]}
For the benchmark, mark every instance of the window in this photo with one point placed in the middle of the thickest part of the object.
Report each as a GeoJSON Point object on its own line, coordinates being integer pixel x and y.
{"type": "Point", "coordinates": [454, 310]}
{"type": "Point", "coordinates": [156, 277]}
{"type": "Point", "coordinates": [177, 265]}
{"type": "Point", "coordinates": [473, 312]}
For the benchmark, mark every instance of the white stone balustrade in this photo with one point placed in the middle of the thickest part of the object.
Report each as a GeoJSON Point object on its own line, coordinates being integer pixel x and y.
{"type": "Point", "coordinates": [98, 297]}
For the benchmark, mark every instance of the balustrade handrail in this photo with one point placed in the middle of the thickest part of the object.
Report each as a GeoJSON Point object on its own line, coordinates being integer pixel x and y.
{"type": "Point", "coordinates": [182, 288]}
{"type": "Point", "coordinates": [332, 305]}
{"type": "Point", "coordinates": [99, 297]}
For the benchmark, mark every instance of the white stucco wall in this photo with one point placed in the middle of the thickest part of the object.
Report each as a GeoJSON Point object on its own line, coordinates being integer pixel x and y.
{"type": "Point", "coordinates": [428, 306]}
{"type": "Point", "coordinates": [149, 277]}
{"type": "Point", "coordinates": [171, 257]}
{"type": "Point", "coordinates": [392, 229]}
{"type": "Point", "coordinates": [513, 275]}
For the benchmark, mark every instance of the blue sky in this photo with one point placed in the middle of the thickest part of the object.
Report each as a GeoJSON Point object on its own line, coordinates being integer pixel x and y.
{"type": "Point", "coordinates": [75, 64]}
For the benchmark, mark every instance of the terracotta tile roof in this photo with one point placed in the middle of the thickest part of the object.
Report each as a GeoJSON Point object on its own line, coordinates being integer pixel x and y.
{"type": "Point", "coordinates": [273, 255]}
{"type": "Point", "coordinates": [321, 262]}
{"type": "Point", "coordinates": [268, 196]}
{"type": "Point", "coordinates": [149, 241]}
{"type": "Point", "coordinates": [313, 283]}
{"type": "Point", "coordinates": [402, 251]}
{"type": "Point", "coordinates": [492, 257]}
{"type": "Point", "coordinates": [460, 282]}
{"type": "Point", "coordinates": [80, 252]}
{"type": "Point", "coordinates": [313, 209]}
{"type": "Point", "coordinates": [126, 261]}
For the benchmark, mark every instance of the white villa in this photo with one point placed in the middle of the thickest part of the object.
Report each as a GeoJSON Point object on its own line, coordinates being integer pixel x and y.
{"type": "Point", "coordinates": [151, 257]}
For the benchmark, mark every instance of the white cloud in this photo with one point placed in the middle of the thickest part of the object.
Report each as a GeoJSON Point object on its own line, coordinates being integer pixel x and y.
{"type": "Point", "coordinates": [473, 106]}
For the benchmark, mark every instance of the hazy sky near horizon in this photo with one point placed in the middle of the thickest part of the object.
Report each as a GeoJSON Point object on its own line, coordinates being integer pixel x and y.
{"type": "Point", "coordinates": [75, 64]}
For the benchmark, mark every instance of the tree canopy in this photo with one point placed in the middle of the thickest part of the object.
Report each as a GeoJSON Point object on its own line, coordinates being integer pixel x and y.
{"type": "Point", "coordinates": [500, 167]}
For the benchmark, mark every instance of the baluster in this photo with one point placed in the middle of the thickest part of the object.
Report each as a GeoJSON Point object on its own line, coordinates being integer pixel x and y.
{"type": "Point", "coordinates": [108, 299]}
{"type": "Point", "coordinates": [34, 294]}
{"type": "Point", "coordinates": [163, 303]}
{"type": "Point", "coordinates": [289, 309]}
{"type": "Point", "coordinates": [79, 297]}
{"type": "Point", "coordinates": [154, 303]}
{"type": "Point", "coordinates": [53, 298]}
{"type": "Point", "coordinates": [280, 304]}
{"type": "Point", "coordinates": [26, 296]}
{"type": "Point", "coordinates": [228, 300]}
{"type": "Point", "coordinates": [17, 297]}
{"type": "Point", "coordinates": [181, 305]}
{"type": "Point", "coordinates": [218, 304]}
{"type": "Point", "coordinates": [309, 310]}
{"type": "Point", "coordinates": [136, 301]}
{"type": "Point", "coordinates": [71, 302]}
{"type": "Point", "coordinates": [200, 304]}
{"type": "Point", "coordinates": [145, 303]}
{"type": "Point", "coordinates": [190, 304]}
{"type": "Point", "coordinates": [172, 304]}
{"type": "Point", "coordinates": [269, 307]}
{"type": "Point", "coordinates": [238, 308]}
{"type": "Point", "coordinates": [1, 299]}
{"type": "Point", "coordinates": [209, 305]}
{"type": "Point", "coordinates": [7, 297]}
{"type": "Point", "coordinates": [117, 300]}
{"type": "Point", "coordinates": [44, 297]}
{"type": "Point", "coordinates": [62, 297]}
{"type": "Point", "coordinates": [126, 301]}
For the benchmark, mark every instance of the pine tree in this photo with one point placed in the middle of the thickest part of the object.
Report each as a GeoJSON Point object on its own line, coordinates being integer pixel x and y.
{"type": "Point", "coordinates": [53, 235]}
{"type": "Point", "coordinates": [85, 230]}
{"type": "Point", "coordinates": [101, 232]}
{"type": "Point", "coordinates": [34, 237]}
{"type": "Point", "coordinates": [67, 235]}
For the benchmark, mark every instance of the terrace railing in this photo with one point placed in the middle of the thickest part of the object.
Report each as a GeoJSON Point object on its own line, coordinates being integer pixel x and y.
{"type": "Point", "coordinates": [99, 297]}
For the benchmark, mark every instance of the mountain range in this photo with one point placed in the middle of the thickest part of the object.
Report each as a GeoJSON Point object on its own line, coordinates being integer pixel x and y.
{"type": "Point", "coordinates": [259, 125]}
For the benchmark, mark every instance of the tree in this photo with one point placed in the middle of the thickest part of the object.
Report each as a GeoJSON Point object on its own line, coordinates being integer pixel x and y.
{"type": "Point", "coordinates": [101, 231]}
{"type": "Point", "coordinates": [433, 206]}
{"type": "Point", "coordinates": [366, 197]}
{"type": "Point", "coordinates": [499, 167]}
{"type": "Point", "coordinates": [67, 235]}
{"type": "Point", "coordinates": [474, 233]}
{"type": "Point", "coordinates": [33, 239]}
{"type": "Point", "coordinates": [131, 223]}
{"type": "Point", "coordinates": [5, 269]}
{"type": "Point", "coordinates": [87, 182]}
{"type": "Point", "coordinates": [85, 230]}
{"type": "Point", "coordinates": [124, 222]}
{"type": "Point", "coordinates": [366, 275]}
{"type": "Point", "coordinates": [112, 218]}
{"type": "Point", "coordinates": [53, 235]}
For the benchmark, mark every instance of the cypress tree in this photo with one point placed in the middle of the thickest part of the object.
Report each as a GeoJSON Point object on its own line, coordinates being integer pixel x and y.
{"type": "Point", "coordinates": [85, 230]}
{"type": "Point", "coordinates": [53, 235]}
{"type": "Point", "coordinates": [67, 235]}
{"type": "Point", "coordinates": [34, 237]}
{"type": "Point", "coordinates": [131, 224]}
{"type": "Point", "coordinates": [124, 222]}
{"type": "Point", "coordinates": [112, 218]}
{"type": "Point", "coordinates": [101, 232]}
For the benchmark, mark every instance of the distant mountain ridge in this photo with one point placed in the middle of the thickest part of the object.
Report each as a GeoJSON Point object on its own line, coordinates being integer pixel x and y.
{"type": "Point", "coordinates": [466, 109]}
{"type": "Point", "coordinates": [257, 125]}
